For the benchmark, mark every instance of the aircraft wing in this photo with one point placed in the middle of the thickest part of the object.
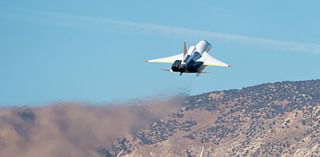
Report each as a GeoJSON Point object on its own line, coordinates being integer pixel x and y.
{"type": "Point", "coordinates": [170, 59]}
{"type": "Point", "coordinates": [210, 61]}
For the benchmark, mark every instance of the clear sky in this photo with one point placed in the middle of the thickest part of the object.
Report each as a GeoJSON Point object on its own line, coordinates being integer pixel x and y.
{"type": "Point", "coordinates": [94, 50]}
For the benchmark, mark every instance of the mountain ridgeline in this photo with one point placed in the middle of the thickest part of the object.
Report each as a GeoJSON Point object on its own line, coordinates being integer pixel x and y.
{"type": "Point", "coordinates": [273, 119]}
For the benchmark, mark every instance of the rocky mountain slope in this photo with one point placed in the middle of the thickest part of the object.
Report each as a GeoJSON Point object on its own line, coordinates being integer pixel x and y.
{"type": "Point", "coordinates": [274, 119]}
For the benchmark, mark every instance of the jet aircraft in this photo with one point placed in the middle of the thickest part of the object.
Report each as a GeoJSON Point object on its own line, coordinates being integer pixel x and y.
{"type": "Point", "coordinates": [192, 60]}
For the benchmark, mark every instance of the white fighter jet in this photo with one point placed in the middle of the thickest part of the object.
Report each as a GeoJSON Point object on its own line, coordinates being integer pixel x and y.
{"type": "Point", "coordinates": [192, 60]}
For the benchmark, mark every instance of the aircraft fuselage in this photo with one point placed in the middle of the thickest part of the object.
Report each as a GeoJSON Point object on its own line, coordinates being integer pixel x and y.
{"type": "Point", "coordinates": [192, 61]}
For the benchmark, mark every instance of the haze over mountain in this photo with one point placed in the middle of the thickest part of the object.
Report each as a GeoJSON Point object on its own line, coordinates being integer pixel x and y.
{"type": "Point", "coordinates": [73, 129]}
{"type": "Point", "coordinates": [273, 119]}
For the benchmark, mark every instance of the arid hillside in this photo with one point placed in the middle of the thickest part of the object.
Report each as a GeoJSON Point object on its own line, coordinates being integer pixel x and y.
{"type": "Point", "coordinates": [273, 119]}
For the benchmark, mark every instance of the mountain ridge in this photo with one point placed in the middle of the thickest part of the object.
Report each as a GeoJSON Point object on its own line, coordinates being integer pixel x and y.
{"type": "Point", "coordinates": [271, 119]}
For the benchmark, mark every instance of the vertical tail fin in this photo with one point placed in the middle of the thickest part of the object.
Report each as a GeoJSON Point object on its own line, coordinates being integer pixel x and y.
{"type": "Point", "coordinates": [185, 50]}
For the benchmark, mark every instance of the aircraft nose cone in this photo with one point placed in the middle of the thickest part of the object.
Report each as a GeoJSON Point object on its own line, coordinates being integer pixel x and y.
{"type": "Point", "coordinates": [205, 41]}
{"type": "Point", "coordinates": [203, 45]}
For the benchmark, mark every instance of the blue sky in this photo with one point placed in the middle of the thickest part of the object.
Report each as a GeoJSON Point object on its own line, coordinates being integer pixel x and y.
{"type": "Point", "coordinates": [94, 51]}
